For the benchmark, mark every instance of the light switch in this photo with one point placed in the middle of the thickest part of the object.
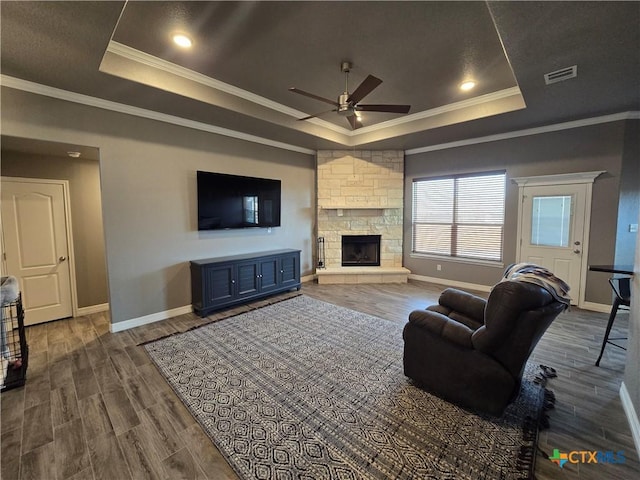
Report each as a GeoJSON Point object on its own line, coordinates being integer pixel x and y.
{"type": "Point", "coordinates": [633, 228]}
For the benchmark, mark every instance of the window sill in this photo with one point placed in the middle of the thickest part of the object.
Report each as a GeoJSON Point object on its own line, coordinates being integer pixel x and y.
{"type": "Point", "coordinates": [467, 261]}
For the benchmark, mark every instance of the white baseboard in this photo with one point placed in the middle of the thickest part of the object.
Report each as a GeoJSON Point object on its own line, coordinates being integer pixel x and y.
{"type": "Point", "coordinates": [451, 283]}
{"type": "Point", "coordinates": [154, 317]}
{"type": "Point", "coordinates": [632, 416]}
{"type": "Point", "coordinates": [103, 307]}
{"type": "Point", "coordinates": [592, 306]}
{"type": "Point", "coordinates": [596, 307]}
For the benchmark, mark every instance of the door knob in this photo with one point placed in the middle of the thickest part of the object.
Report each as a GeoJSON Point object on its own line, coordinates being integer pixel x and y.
{"type": "Point", "coordinates": [576, 251]}
{"type": "Point", "coordinates": [577, 242]}
{"type": "Point", "coordinates": [62, 259]}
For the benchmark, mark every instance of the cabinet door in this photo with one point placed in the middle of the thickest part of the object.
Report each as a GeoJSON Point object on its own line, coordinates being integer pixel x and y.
{"type": "Point", "coordinates": [269, 274]}
{"type": "Point", "coordinates": [218, 285]}
{"type": "Point", "coordinates": [248, 279]}
{"type": "Point", "coordinates": [290, 270]}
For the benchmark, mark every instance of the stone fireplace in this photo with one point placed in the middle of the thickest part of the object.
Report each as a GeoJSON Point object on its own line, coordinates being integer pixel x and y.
{"type": "Point", "coordinates": [360, 193]}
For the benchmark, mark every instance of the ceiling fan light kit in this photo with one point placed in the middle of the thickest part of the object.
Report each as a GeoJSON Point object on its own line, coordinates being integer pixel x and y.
{"type": "Point", "coordinates": [348, 103]}
{"type": "Point", "coordinates": [343, 105]}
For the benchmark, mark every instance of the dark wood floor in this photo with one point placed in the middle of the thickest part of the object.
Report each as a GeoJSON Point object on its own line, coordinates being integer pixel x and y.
{"type": "Point", "coordinates": [94, 407]}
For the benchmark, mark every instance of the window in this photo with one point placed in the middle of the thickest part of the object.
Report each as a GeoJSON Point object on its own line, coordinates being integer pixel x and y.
{"type": "Point", "coordinates": [459, 216]}
{"type": "Point", "coordinates": [551, 221]}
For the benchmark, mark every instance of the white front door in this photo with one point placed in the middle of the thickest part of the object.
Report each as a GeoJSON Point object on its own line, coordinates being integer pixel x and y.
{"type": "Point", "coordinates": [552, 229]}
{"type": "Point", "coordinates": [36, 247]}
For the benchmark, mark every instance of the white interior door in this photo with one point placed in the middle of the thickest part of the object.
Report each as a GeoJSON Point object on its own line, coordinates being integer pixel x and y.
{"type": "Point", "coordinates": [552, 229]}
{"type": "Point", "coordinates": [36, 247]}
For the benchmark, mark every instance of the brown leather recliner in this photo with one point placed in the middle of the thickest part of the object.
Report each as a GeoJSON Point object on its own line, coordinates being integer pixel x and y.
{"type": "Point", "coordinates": [472, 351]}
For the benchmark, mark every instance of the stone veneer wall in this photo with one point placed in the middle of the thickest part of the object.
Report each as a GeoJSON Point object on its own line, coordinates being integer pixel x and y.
{"type": "Point", "coordinates": [361, 193]}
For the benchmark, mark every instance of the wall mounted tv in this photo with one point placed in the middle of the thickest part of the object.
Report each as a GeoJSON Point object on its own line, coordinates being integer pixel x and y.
{"type": "Point", "coordinates": [232, 201]}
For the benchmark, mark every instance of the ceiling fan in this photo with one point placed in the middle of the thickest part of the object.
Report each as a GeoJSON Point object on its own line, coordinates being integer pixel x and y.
{"type": "Point", "coordinates": [348, 103]}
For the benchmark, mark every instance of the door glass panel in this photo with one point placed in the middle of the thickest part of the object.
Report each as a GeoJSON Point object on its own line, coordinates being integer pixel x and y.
{"type": "Point", "coordinates": [551, 221]}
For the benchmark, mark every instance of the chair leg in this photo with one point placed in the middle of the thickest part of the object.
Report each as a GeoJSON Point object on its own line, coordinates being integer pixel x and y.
{"type": "Point", "coordinates": [612, 316]}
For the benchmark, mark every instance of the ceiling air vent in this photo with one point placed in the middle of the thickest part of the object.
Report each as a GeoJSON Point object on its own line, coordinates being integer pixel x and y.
{"type": "Point", "coordinates": [560, 75]}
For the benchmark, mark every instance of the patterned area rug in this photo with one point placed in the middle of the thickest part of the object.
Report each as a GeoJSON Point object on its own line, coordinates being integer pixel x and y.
{"type": "Point", "coordinates": [304, 389]}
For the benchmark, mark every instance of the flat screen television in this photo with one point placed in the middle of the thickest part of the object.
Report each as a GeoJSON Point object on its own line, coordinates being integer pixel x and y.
{"type": "Point", "coordinates": [232, 201]}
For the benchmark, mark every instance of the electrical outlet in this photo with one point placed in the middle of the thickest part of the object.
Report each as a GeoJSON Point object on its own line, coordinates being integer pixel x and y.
{"type": "Point", "coordinates": [439, 267]}
{"type": "Point", "coordinates": [633, 228]}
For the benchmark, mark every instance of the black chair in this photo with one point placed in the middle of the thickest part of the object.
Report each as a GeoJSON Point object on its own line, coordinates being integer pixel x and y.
{"type": "Point", "coordinates": [622, 290]}
{"type": "Point", "coordinates": [471, 351]}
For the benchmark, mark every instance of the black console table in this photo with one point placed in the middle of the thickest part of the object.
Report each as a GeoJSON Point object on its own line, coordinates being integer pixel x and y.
{"type": "Point", "coordinates": [224, 281]}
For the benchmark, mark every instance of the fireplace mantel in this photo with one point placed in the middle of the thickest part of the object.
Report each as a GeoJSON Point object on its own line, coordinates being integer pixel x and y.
{"type": "Point", "coordinates": [363, 208]}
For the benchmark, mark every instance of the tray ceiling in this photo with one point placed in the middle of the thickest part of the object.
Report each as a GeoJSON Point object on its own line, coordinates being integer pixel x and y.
{"type": "Point", "coordinates": [246, 55]}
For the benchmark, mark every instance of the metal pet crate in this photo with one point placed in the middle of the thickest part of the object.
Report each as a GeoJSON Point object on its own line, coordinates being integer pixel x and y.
{"type": "Point", "coordinates": [14, 351]}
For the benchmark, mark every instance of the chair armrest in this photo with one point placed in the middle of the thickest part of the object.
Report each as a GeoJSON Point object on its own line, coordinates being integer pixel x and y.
{"type": "Point", "coordinates": [459, 301]}
{"type": "Point", "coordinates": [442, 326]}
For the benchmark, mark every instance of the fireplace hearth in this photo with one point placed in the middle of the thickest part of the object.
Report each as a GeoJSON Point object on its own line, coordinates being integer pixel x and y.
{"type": "Point", "coordinates": [360, 250]}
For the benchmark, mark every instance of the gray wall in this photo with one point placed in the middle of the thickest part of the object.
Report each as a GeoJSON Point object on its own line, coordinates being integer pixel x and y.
{"type": "Point", "coordinates": [597, 147]}
{"type": "Point", "coordinates": [148, 174]}
{"type": "Point", "coordinates": [629, 202]}
{"type": "Point", "coordinates": [86, 215]}
{"type": "Point", "coordinates": [631, 375]}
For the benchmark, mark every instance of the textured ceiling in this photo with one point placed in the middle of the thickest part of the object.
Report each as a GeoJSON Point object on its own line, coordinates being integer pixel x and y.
{"type": "Point", "coordinates": [421, 51]}
{"type": "Point", "coordinates": [266, 47]}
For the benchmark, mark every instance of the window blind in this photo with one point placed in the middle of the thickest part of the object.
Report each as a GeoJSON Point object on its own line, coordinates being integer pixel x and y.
{"type": "Point", "coordinates": [459, 216]}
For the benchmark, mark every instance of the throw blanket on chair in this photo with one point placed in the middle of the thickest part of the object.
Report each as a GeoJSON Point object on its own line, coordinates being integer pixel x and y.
{"type": "Point", "coordinates": [529, 272]}
{"type": "Point", "coordinates": [9, 292]}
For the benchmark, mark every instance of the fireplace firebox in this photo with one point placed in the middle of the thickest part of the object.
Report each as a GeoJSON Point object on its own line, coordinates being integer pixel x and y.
{"type": "Point", "coordinates": [360, 250]}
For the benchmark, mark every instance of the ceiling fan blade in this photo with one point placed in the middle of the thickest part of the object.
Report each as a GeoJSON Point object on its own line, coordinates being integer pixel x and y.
{"type": "Point", "coordinates": [318, 114]}
{"type": "Point", "coordinates": [316, 97]}
{"type": "Point", "coordinates": [364, 89]}
{"type": "Point", "coordinates": [384, 108]}
{"type": "Point", "coordinates": [353, 121]}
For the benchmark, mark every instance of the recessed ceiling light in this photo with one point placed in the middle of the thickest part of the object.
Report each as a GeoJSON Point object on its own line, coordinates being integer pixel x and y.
{"type": "Point", "coordinates": [182, 40]}
{"type": "Point", "coordinates": [468, 85]}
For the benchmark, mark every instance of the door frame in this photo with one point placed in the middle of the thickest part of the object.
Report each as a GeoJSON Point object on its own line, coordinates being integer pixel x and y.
{"type": "Point", "coordinates": [586, 178]}
{"type": "Point", "coordinates": [68, 231]}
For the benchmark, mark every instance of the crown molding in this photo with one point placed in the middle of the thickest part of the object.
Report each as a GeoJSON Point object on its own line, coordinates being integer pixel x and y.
{"type": "Point", "coordinates": [396, 127]}
{"type": "Point", "coordinates": [152, 61]}
{"type": "Point", "coordinates": [558, 179]}
{"type": "Point", "coordinates": [451, 107]}
{"type": "Point", "coordinates": [585, 122]}
{"type": "Point", "coordinates": [188, 74]}
{"type": "Point", "coordinates": [39, 89]}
